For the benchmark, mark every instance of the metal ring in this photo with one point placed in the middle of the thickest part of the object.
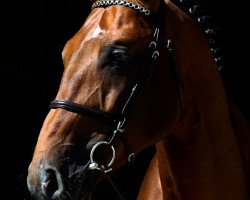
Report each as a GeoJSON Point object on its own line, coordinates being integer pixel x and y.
{"type": "Point", "coordinates": [147, 12]}
{"type": "Point", "coordinates": [136, 6]}
{"type": "Point", "coordinates": [131, 157]}
{"type": "Point", "coordinates": [92, 161]}
{"type": "Point", "coordinates": [130, 4]}
{"type": "Point", "coordinates": [141, 9]}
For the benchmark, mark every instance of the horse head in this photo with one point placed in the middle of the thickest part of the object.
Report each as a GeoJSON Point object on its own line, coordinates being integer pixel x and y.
{"type": "Point", "coordinates": [119, 94]}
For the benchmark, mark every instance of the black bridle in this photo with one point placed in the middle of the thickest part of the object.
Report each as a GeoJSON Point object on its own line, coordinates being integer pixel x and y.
{"type": "Point", "coordinates": [118, 123]}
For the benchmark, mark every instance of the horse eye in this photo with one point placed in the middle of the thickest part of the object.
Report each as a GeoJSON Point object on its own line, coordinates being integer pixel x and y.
{"type": "Point", "coordinates": [119, 55]}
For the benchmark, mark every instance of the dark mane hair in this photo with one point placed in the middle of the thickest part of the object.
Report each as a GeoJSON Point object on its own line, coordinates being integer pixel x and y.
{"type": "Point", "coordinates": [200, 14]}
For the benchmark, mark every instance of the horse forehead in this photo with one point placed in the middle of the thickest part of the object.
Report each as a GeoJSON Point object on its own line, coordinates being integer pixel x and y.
{"type": "Point", "coordinates": [93, 33]}
{"type": "Point", "coordinates": [115, 20]}
{"type": "Point", "coordinates": [103, 26]}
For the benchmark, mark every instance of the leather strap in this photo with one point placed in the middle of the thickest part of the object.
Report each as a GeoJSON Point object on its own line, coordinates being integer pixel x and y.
{"type": "Point", "coordinates": [81, 110]}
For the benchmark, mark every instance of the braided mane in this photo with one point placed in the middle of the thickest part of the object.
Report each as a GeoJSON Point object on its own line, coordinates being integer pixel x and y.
{"type": "Point", "coordinates": [197, 11]}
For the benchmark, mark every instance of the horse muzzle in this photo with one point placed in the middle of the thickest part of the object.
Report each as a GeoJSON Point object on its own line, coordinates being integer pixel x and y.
{"type": "Point", "coordinates": [47, 184]}
{"type": "Point", "coordinates": [52, 183]}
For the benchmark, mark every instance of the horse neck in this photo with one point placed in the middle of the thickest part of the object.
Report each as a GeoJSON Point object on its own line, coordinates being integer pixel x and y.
{"type": "Point", "coordinates": [200, 159]}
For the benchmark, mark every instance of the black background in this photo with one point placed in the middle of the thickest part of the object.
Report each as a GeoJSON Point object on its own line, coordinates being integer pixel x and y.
{"type": "Point", "coordinates": [33, 33]}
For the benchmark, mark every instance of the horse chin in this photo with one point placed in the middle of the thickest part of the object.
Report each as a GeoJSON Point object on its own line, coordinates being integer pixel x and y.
{"type": "Point", "coordinates": [82, 186]}
{"type": "Point", "coordinates": [84, 195]}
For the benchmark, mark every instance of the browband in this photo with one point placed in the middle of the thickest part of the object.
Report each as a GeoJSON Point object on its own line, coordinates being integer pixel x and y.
{"type": "Point", "coordinates": [136, 6]}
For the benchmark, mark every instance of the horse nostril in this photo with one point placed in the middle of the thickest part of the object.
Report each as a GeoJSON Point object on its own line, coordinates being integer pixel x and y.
{"type": "Point", "coordinates": [51, 183]}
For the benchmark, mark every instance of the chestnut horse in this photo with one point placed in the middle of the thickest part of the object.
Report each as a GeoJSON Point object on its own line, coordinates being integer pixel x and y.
{"type": "Point", "coordinates": [140, 73]}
